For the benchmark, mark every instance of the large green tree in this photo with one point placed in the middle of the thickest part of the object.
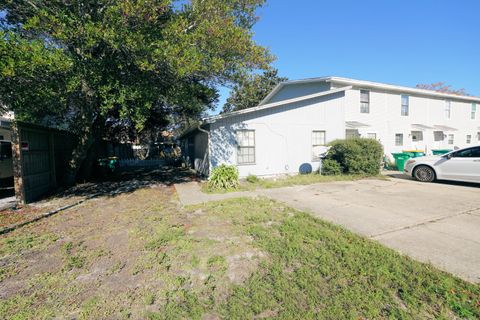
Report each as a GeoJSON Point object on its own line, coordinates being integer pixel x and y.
{"type": "Point", "coordinates": [85, 64]}
{"type": "Point", "coordinates": [251, 89]}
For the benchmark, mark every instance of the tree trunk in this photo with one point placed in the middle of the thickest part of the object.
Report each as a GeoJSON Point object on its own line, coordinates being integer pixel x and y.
{"type": "Point", "coordinates": [85, 141]}
{"type": "Point", "coordinates": [87, 124]}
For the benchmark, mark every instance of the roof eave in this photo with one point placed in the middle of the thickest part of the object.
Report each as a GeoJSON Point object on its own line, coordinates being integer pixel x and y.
{"type": "Point", "coordinates": [391, 87]}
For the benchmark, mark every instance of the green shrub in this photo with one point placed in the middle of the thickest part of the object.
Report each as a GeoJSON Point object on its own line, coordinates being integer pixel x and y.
{"type": "Point", "coordinates": [357, 156]}
{"type": "Point", "coordinates": [331, 168]}
{"type": "Point", "coordinates": [223, 177]}
{"type": "Point", "coordinates": [251, 178]}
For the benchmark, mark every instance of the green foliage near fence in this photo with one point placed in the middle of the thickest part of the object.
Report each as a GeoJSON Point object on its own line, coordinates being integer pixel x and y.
{"type": "Point", "coordinates": [354, 156]}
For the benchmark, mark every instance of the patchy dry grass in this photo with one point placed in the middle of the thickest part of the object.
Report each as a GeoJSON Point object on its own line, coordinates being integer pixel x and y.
{"type": "Point", "coordinates": [253, 183]}
{"type": "Point", "coordinates": [141, 255]}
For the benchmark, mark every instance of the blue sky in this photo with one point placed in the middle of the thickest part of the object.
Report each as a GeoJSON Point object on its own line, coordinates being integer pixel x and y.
{"type": "Point", "coordinates": [400, 42]}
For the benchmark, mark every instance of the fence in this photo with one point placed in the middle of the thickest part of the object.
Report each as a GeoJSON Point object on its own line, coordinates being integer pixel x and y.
{"type": "Point", "coordinates": [123, 163]}
{"type": "Point", "coordinates": [40, 157]}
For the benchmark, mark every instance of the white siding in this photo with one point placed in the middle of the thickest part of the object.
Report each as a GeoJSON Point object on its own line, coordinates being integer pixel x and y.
{"type": "Point", "coordinates": [297, 90]}
{"type": "Point", "coordinates": [282, 135]}
{"type": "Point", "coordinates": [385, 120]}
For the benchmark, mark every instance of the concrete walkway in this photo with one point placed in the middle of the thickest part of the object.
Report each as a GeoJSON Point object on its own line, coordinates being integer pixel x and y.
{"type": "Point", "coordinates": [437, 223]}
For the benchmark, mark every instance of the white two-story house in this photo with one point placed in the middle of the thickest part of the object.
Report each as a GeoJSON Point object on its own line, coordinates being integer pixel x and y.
{"type": "Point", "coordinates": [291, 126]}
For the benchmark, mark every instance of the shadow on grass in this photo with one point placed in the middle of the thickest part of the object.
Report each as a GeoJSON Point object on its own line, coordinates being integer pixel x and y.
{"type": "Point", "coordinates": [129, 180]}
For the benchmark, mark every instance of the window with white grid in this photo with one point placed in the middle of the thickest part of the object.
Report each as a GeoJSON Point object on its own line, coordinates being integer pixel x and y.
{"type": "Point", "coordinates": [245, 147]}
{"type": "Point", "coordinates": [399, 139]}
{"type": "Point", "coordinates": [364, 101]}
{"type": "Point", "coordinates": [405, 105]}
{"type": "Point", "coordinates": [318, 141]}
{"type": "Point", "coordinates": [448, 109]}
{"type": "Point", "coordinates": [451, 139]}
{"type": "Point", "coordinates": [474, 111]}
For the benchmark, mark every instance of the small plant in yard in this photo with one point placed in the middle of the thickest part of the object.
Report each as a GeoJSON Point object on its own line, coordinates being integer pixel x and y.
{"type": "Point", "coordinates": [223, 177]}
{"type": "Point", "coordinates": [331, 168]}
{"type": "Point", "coordinates": [251, 178]}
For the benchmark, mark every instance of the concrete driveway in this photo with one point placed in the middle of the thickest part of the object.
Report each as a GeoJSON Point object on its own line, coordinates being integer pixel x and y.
{"type": "Point", "coordinates": [437, 223]}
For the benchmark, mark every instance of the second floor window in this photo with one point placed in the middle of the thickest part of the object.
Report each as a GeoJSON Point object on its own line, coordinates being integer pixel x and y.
{"type": "Point", "coordinates": [448, 109]}
{"type": "Point", "coordinates": [474, 111]}
{"type": "Point", "coordinates": [364, 101]}
{"type": "Point", "coordinates": [405, 105]}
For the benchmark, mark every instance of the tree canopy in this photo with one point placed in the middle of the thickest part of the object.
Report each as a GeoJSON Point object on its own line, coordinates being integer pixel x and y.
{"type": "Point", "coordinates": [442, 87]}
{"type": "Point", "coordinates": [87, 64]}
{"type": "Point", "coordinates": [251, 89]}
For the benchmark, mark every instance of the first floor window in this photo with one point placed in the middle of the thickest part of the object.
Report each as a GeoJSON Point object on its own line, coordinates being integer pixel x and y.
{"type": "Point", "coordinates": [399, 139]}
{"type": "Point", "coordinates": [451, 139]}
{"type": "Point", "coordinates": [469, 138]}
{"type": "Point", "coordinates": [318, 141]}
{"type": "Point", "coordinates": [438, 136]}
{"type": "Point", "coordinates": [417, 136]}
{"type": "Point", "coordinates": [364, 101]}
{"type": "Point", "coordinates": [351, 134]}
{"type": "Point", "coordinates": [245, 146]}
{"type": "Point", "coordinates": [372, 136]}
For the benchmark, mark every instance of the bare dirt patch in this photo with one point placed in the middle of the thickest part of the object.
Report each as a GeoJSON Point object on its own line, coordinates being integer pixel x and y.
{"type": "Point", "coordinates": [124, 256]}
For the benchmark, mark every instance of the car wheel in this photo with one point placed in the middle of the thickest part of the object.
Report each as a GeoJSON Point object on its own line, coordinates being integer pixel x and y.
{"type": "Point", "coordinates": [424, 174]}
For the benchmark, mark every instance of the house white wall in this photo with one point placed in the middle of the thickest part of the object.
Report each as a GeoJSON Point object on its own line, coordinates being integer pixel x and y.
{"type": "Point", "coordinates": [283, 135]}
{"type": "Point", "coordinates": [297, 90]}
{"type": "Point", "coordinates": [385, 120]}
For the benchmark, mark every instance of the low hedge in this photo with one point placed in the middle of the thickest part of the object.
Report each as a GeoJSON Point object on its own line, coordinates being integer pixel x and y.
{"type": "Point", "coordinates": [354, 156]}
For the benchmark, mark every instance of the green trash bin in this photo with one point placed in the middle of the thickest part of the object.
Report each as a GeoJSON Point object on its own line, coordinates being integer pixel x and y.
{"type": "Point", "coordinates": [439, 152]}
{"type": "Point", "coordinates": [401, 159]}
{"type": "Point", "coordinates": [414, 153]}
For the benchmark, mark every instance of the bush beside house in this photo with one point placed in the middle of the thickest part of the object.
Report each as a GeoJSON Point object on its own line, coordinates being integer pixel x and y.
{"type": "Point", "coordinates": [353, 156]}
{"type": "Point", "coordinates": [224, 177]}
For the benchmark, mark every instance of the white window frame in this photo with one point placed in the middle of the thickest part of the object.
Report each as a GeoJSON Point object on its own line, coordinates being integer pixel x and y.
{"type": "Point", "coordinates": [318, 142]}
{"type": "Point", "coordinates": [246, 146]}
{"type": "Point", "coordinates": [354, 134]}
{"type": "Point", "coordinates": [473, 114]}
{"type": "Point", "coordinates": [364, 103]}
{"type": "Point", "coordinates": [469, 138]}
{"type": "Point", "coordinates": [399, 142]}
{"type": "Point", "coordinates": [448, 109]}
{"type": "Point", "coordinates": [370, 134]}
{"type": "Point", "coordinates": [405, 107]}
{"type": "Point", "coordinates": [417, 135]}
{"type": "Point", "coordinates": [438, 134]}
{"type": "Point", "coordinates": [451, 138]}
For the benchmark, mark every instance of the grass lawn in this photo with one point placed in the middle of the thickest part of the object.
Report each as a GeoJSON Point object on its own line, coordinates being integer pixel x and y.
{"type": "Point", "coordinates": [141, 255]}
{"type": "Point", "coordinates": [299, 179]}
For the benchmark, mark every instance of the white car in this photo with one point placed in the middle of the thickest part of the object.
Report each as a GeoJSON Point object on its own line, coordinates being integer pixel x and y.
{"type": "Point", "coordinates": [458, 165]}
